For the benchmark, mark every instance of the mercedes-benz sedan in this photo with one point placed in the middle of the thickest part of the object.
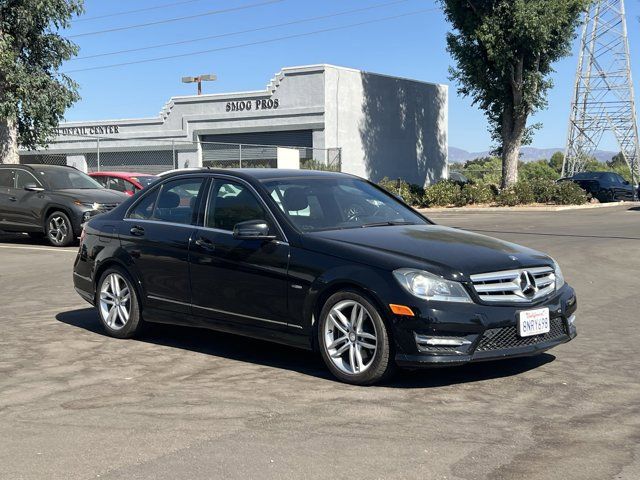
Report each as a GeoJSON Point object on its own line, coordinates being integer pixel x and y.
{"type": "Point", "coordinates": [322, 261]}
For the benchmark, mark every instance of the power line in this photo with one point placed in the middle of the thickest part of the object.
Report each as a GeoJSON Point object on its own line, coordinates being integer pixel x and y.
{"type": "Point", "coordinates": [127, 12]}
{"type": "Point", "coordinates": [177, 19]}
{"type": "Point", "coordinates": [260, 42]}
{"type": "Point", "coordinates": [240, 32]}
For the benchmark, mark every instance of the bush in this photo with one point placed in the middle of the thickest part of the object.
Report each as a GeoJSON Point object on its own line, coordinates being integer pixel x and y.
{"type": "Point", "coordinates": [442, 194]}
{"type": "Point", "coordinates": [474, 193]}
{"type": "Point", "coordinates": [411, 194]}
{"type": "Point", "coordinates": [524, 193]}
{"type": "Point", "coordinates": [508, 197]}
{"type": "Point", "coordinates": [544, 190]}
{"type": "Point", "coordinates": [568, 193]}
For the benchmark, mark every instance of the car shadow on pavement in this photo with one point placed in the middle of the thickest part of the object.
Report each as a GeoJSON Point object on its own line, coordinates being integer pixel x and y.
{"type": "Point", "coordinates": [22, 239]}
{"type": "Point", "coordinates": [245, 349]}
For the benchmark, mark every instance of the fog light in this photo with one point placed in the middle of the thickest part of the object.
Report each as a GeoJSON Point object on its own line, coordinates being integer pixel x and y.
{"type": "Point", "coordinates": [441, 341]}
{"type": "Point", "coordinates": [86, 216]}
{"type": "Point", "coordinates": [571, 319]}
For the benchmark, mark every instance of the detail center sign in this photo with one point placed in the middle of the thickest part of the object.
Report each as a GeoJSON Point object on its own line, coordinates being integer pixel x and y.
{"type": "Point", "coordinates": [91, 130]}
{"type": "Point", "coordinates": [247, 105]}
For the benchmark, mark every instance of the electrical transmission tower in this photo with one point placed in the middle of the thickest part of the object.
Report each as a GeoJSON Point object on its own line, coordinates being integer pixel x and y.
{"type": "Point", "coordinates": [603, 95]}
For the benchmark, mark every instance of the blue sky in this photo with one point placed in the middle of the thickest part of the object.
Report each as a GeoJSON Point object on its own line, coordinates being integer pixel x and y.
{"type": "Point", "coordinates": [410, 46]}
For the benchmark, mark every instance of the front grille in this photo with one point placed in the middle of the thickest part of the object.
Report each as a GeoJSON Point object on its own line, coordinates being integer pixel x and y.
{"type": "Point", "coordinates": [507, 337]}
{"type": "Point", "coordinates": [515, 286]}
{"type": "Point", "coordinates": [105, 207]}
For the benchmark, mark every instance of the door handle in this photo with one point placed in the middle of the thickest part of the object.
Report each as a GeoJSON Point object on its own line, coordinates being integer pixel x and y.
{"type": "Point", "coordinates": [13, 199]}
{"type": "Point", "coordinates": [137, 231]}
{"type": "Point", "coordinates": [205, 243]}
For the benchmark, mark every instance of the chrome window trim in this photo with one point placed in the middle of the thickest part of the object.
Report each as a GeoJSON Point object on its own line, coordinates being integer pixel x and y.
{"type": "Point", "coordinates": [153, 297]}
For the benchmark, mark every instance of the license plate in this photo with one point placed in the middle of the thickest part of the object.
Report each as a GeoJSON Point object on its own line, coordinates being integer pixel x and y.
{"type": "Point", "coordinates": [533, 322]}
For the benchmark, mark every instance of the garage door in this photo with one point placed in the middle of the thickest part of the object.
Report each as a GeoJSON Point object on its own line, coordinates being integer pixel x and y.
{"type": "Point", "coordinates": [256, 149]}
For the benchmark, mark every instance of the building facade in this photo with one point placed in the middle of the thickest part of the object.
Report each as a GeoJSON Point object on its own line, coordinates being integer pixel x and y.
{"type": "Point", "coordinates": [379, 126]}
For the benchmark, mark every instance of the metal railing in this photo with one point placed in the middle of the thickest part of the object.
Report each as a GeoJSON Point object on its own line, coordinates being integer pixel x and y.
{"type": "Point", "coordinates": [155, 156]}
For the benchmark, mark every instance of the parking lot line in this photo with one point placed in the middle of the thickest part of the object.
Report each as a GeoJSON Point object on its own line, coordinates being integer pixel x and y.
{"type": "Point", "coordinates": [44, 249]}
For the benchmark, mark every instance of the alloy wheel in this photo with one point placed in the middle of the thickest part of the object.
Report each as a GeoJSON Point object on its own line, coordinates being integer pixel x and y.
{"type": "Point", "coordinates": [115, 301]}
{"type": "Point", "coordinates": [58, 229]}
{"type": "Point", "coordinates": [350, 335]}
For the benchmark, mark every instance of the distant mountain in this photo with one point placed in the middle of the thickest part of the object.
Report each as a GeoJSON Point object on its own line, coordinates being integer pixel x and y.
{"type": "Point", "coordinates": [528, 154]}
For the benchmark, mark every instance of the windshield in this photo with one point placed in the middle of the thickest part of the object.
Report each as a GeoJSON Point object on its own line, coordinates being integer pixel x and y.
{"type": "Point", "coordinates": [146, 180]}
{"type": "Point", "coordinates": [67, 178]}
{"type": "Point", "coordinates": [315, 204]}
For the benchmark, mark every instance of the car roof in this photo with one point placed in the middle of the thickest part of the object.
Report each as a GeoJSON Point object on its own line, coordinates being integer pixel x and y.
{"type": "Point", "coordinates": [264, 173]}
{"type": "Point", "coordinates": [33, 166]}
{"type": "Point", "coordinates": [122, 174]}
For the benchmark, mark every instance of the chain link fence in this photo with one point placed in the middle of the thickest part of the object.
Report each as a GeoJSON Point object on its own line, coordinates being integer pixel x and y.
{"type": "Point", "coordinates": [154, 156]}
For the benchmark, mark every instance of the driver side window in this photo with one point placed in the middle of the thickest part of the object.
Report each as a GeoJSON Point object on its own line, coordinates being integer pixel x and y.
{"type": "Point", "coordinates": [24, 178]}
{"type": "Point", "coordinates": [231, 203]}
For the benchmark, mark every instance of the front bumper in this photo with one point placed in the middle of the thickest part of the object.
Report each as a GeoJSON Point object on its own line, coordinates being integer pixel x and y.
{"type": "Point", "coordinates": [484, 332]}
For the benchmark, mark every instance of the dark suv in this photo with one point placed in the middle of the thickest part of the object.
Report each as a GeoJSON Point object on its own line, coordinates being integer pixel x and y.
{"type": "Point", "coordinates": [605, 186]}
{"type": "Point", "coordinates": [51, 200]}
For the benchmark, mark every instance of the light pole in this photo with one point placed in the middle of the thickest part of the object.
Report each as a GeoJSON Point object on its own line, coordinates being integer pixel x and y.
{"type": "Point", "coordinates": [199, 79]}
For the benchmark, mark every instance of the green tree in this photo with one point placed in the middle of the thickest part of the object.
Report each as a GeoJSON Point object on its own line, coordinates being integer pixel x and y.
{"type": "Point", "coordinates": [33, 93]}
{"type": "Point", "coordinates": [617, 161]}
{"type": "Point", "coordinates": [504, 51]}
{"type": "Point", "coordinates": [556, 161]}
{"type": "Point", "coordinates": [538, 170]}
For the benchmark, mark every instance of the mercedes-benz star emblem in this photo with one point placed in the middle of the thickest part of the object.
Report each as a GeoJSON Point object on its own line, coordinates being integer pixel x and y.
{"type": "Point", "coordinates": [528, 285]}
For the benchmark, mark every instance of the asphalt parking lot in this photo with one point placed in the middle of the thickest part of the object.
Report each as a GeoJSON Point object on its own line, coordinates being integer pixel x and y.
{"type": "Point", "coordinates": [186, 403]}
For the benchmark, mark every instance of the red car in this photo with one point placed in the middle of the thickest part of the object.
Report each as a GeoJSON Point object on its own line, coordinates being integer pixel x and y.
{"type": "Point", "coordinates": [125, 182]}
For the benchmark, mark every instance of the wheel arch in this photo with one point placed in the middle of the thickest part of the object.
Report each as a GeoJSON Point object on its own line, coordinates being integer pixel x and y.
{"type": "Point", "coordinates": [101, 267]}
{"type": "Point", "coordinates": [321, 295]}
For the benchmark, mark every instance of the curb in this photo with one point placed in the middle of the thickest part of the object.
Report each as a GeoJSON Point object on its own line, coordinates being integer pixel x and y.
{"type": "Point", "coordinates": [531, 208]}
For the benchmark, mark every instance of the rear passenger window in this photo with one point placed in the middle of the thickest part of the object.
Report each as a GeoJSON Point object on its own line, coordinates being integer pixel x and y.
{"type": "Point", "coordinates": [144, 208]}
{"type": "Point", "coordinates": [177, 201]}
{"type": "Point", "coordinates": [6, 178]}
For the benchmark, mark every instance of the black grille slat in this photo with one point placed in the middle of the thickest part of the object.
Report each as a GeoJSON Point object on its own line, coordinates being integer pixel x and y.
{"type": "Point", "coordinates": [507, 337]}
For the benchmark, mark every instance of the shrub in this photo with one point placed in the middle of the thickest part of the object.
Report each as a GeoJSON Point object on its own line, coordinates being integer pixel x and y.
{"type": "Point", "coordinates": [411, 194]}
{"type": "Point", "coordinates": [442, 194]}
{"type": "Point", "coordinates": [544, 190]}
{"type": "Point", "coordinates": [474, 193]}
{"type": "Point", "coordinates": [524, 192]}
{"type": "Point", "coordinates": [508, 197]}
{"type": "Point", "coordinates": [569, 193]}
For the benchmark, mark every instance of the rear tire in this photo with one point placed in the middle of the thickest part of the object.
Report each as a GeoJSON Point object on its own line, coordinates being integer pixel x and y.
{"type": "Point", "coordinates": [59, 230]}
{"type": "Point", "coordinates": [118, 303]}
{"type": "Point", "coordinates": [355, 342]}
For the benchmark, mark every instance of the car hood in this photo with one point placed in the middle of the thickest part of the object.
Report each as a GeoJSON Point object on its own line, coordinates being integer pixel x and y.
{"type": "Point", "coordinates": [449, 252]}
{"type": "Point", "coordinates": [98, 195]}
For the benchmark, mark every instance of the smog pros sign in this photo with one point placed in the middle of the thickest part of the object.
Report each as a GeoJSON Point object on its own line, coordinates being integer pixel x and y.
{"type": "Point", "coordinates": [247, 105]}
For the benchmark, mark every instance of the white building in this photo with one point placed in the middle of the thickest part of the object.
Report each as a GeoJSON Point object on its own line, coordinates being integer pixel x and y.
{"type": "Point", "coordinates": [380, 125]}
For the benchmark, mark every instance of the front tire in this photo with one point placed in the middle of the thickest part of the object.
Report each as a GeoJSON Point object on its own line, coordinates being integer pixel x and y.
{"type": "Point", "coordinates": [118, 304]}
{"type": "Point", "coordinates": [59, 230]}
{"type": "Point", "coordinates": [354, 340]}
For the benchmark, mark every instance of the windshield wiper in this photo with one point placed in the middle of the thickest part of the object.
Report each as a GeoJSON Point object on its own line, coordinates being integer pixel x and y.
{"type": "Point", "coordinates": [385, 224]}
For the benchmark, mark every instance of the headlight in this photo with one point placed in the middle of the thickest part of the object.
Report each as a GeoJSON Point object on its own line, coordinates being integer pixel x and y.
{"type": "Point", "coordinates": [431, 287]}
{"type": "Point", "coordinates": [91, 205]}
{"type": "Point", "coordinates": [559, 276]}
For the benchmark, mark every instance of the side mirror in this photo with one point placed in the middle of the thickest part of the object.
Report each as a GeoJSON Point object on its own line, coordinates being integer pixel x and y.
{"type": "Point", "coordinates": [626, 182]}
{"type": "Point", "coordinates": [252, 230]}
{"type": "Point", "coordinates": [32, 187]}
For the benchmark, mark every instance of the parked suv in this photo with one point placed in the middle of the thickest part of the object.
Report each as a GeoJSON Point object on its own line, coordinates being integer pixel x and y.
{"type": "Point", "coordinates": [51, 200]}
{"type": "Point", "coordinates": [319, 260]}
{"type": "Point", "coordinates": [605, 186]}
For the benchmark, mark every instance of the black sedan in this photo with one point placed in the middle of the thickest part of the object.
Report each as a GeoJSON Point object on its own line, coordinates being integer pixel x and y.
{"type": "Point", "coordinates": [321, 261]}
{"type": "Point", "coordinates": [604, 186]}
